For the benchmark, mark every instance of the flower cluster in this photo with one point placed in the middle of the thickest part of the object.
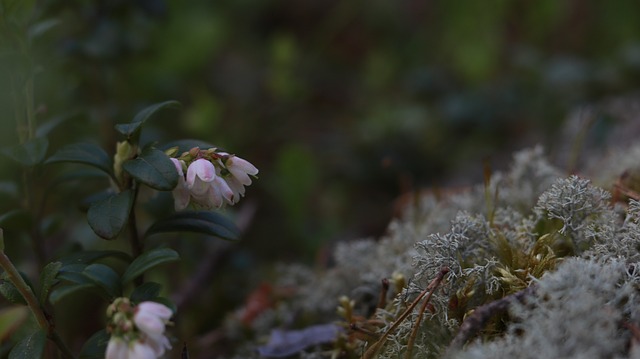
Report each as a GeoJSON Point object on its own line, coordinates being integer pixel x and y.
{"type": "Point", "coordinates": [210, 179]}
{"type": "Point", "coordinates": [137, 331]}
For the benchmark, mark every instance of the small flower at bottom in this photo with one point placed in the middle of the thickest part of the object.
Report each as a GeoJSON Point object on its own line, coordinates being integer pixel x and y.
{"type": "Point", "coordinates": [137, 332]}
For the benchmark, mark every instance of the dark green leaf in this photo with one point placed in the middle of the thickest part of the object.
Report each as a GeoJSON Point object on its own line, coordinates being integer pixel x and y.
{"type": "Point", "coordinates": [107, 217]}
{"type": "Point", "coordinates": [153, 168]}
{"type": "Point", "coordinates": [205, 222]}
{"type": "Point", "coordinates": [60, 292]}
{"type": "Point", "coordinates": [147, 291]}
{"type": "Point", "coordinates": [132, 129]}
{"type": "Point", "coordinates": [96, 346]}
{"type": "Point", "coordinates": [106, 278]}
{"type": "Point", "coordinates": [10, 292]}
{"type": "Point", "coordinates": [30, 347]}
{"type": "Point", "coordinates": [148, 260]}
{"type": "Point", "coordinates": [73, 273]}
{"type": "Point", "coordinates": [48, 279]}
{"type": "Point", "coordinates": [29, 153]}
{"type": "Point", "coordinates": [17, 219]}
{"type": "Point", "coordinates": [85, 153]}
{"type": "Point", "coordinates": [88, 257]}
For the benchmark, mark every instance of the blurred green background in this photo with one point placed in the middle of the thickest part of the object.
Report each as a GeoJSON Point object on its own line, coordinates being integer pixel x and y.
{"type": "Point", "coordinates": [342, 105]}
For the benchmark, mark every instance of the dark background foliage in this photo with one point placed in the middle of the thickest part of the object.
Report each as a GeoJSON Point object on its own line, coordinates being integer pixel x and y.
{"type": "Point", "coordinates": [343, 105]}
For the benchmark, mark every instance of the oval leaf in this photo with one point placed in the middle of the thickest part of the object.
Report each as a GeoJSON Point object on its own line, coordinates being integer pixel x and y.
{"type": "Point", "coordinates": [132, 129]}
{"type": "Point", "coordinates": [153, 168]}
{"type": "Point", "coordinates": [85, 153]}
{"type": "Point", "coordinates": [148, 260]}
{"type": "Point", "coordinates": [29, 153]}
{"type": "Point", "coordinates": [205, 222]}
{"type": "Point", "coordinates": [106, 278]}
{"type": "Point", "coordinates": [31, 346]}
{"type": "Point", "coordinates": [60, 292]}
{"type": "Point", "coordinates": [88, 257]}
{"type": "Point", "coordinates": [96, 346]}
{"type": "Point", "coordinates": [107, 217]}
{"type": "Point", "coordinates": [147, 291]}
{"type": "Point", "coordinates": [48, 279]}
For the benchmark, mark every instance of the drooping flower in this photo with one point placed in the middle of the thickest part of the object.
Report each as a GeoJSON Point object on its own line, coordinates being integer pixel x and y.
{"type": "Point", "coordinates": [236, 173]}
{"type": "Point", "coordinates": [200, 174]}
{"type": "Point", "coordinates": [181, 193]}
{"type": "Point", "coordinates": [212, 178]}
{"type": "Point", "coordinates": [137, 332]}
{"type": "Point", "coordinates": [151, 317]}
{"type": "Point", "coordinates": [240, 169]}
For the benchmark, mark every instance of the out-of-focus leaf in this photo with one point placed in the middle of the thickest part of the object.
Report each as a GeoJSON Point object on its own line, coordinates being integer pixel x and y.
{"type": "Point", "coordinates": [17, 219]}
{"type": "Point", "coordinates": [107, 217]}
{"type": "Point", "coordinates": [61, 292]}
{"type": "Point", "coordinates": [48, 279]}
{"type": "Point", "coordinates": [41, 28]}
{"type": "Point", "coordinates": [88, 257]}
{"type": "Point", "coordinates": [153, 168]}
{"type": "Point", "coordinates": [147, 291]}
{"type": "Point", "coordinates": [46, 127]}
{"type": "Point", "coordinates": [132, 129]}
{"type": "Point", "coordinates": [96, 346]}
{"type": "Point", "coordinates": [106, 278]}
{"type": "Point", "coordinates": [285, 343]}
{"type": "Point", "coordinates": [85, 153]}
{"type": "Point", "coordinates": [12, 318]}
{"type": "Point", "coordinates": [30, 153]}
{"type": "Point", "coordinates": [30, 347]}
{"type": "Point", "coordinates": [148, 260]}
{"type": "Point", "coordinates": [205, 222]}
{"type": "Point", "coordinates": [73, 273]}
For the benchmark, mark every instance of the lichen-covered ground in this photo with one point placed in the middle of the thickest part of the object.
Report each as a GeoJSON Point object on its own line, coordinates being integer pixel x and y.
{"type": "Point", "coordinates": [534, 263]}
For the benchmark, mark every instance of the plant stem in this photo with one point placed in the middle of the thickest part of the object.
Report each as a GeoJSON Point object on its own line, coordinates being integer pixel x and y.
{"type": "Point", "coordinates": [416, 326]}
{"type": "Point", "coordinates": [375, 347]}
{"type": "Point", "coordinates": [32, 302]}
{"type": "Point", "coordinates": [137, 247]}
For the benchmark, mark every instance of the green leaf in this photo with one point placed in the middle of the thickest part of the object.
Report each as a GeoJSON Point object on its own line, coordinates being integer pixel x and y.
{"type": "Point", "coordinates": [107, 217]}
{"type": "Point", "coordinates": [132, 129]}
{"type": "Point", "coordinates": [17, 219]}
{"type": "Point", "coordinates": [205, 222]}
{"type": "Point", "coordinates": [153, 168]}
{"type": "Point", "coordinates": [147, 291]}
{"type": "Point", "coordinates": [85, 153]}
{"type": "Point", "coordinates": [88, 257]}
{"type": "Point", "coordinates": [30, 347]}
{"type": "Point", "coordinates": [48, 279]}
{"type": "Point", "coordinates": [105, 278]}
{"type": "Point", "coordinates": [12, 318]}
{"type": "Point", "coordinates": [9, 291]}
{"type": "Point", "coordinates": [148, 260]}
{"type": "Point", "coordinates": [96, 346]}
{"type": "Point", "coordinates": [61, 292]}
{"type": "Point", "coordinates": [29, 153]}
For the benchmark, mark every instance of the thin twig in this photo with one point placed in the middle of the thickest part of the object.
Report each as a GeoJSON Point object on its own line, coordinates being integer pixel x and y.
{"type": "Point", "coordinates": [375, 347]}
{"type": "Point", "coordinates": [416, 325]}
{"type": "Point", "coordinates": [32, 302]}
